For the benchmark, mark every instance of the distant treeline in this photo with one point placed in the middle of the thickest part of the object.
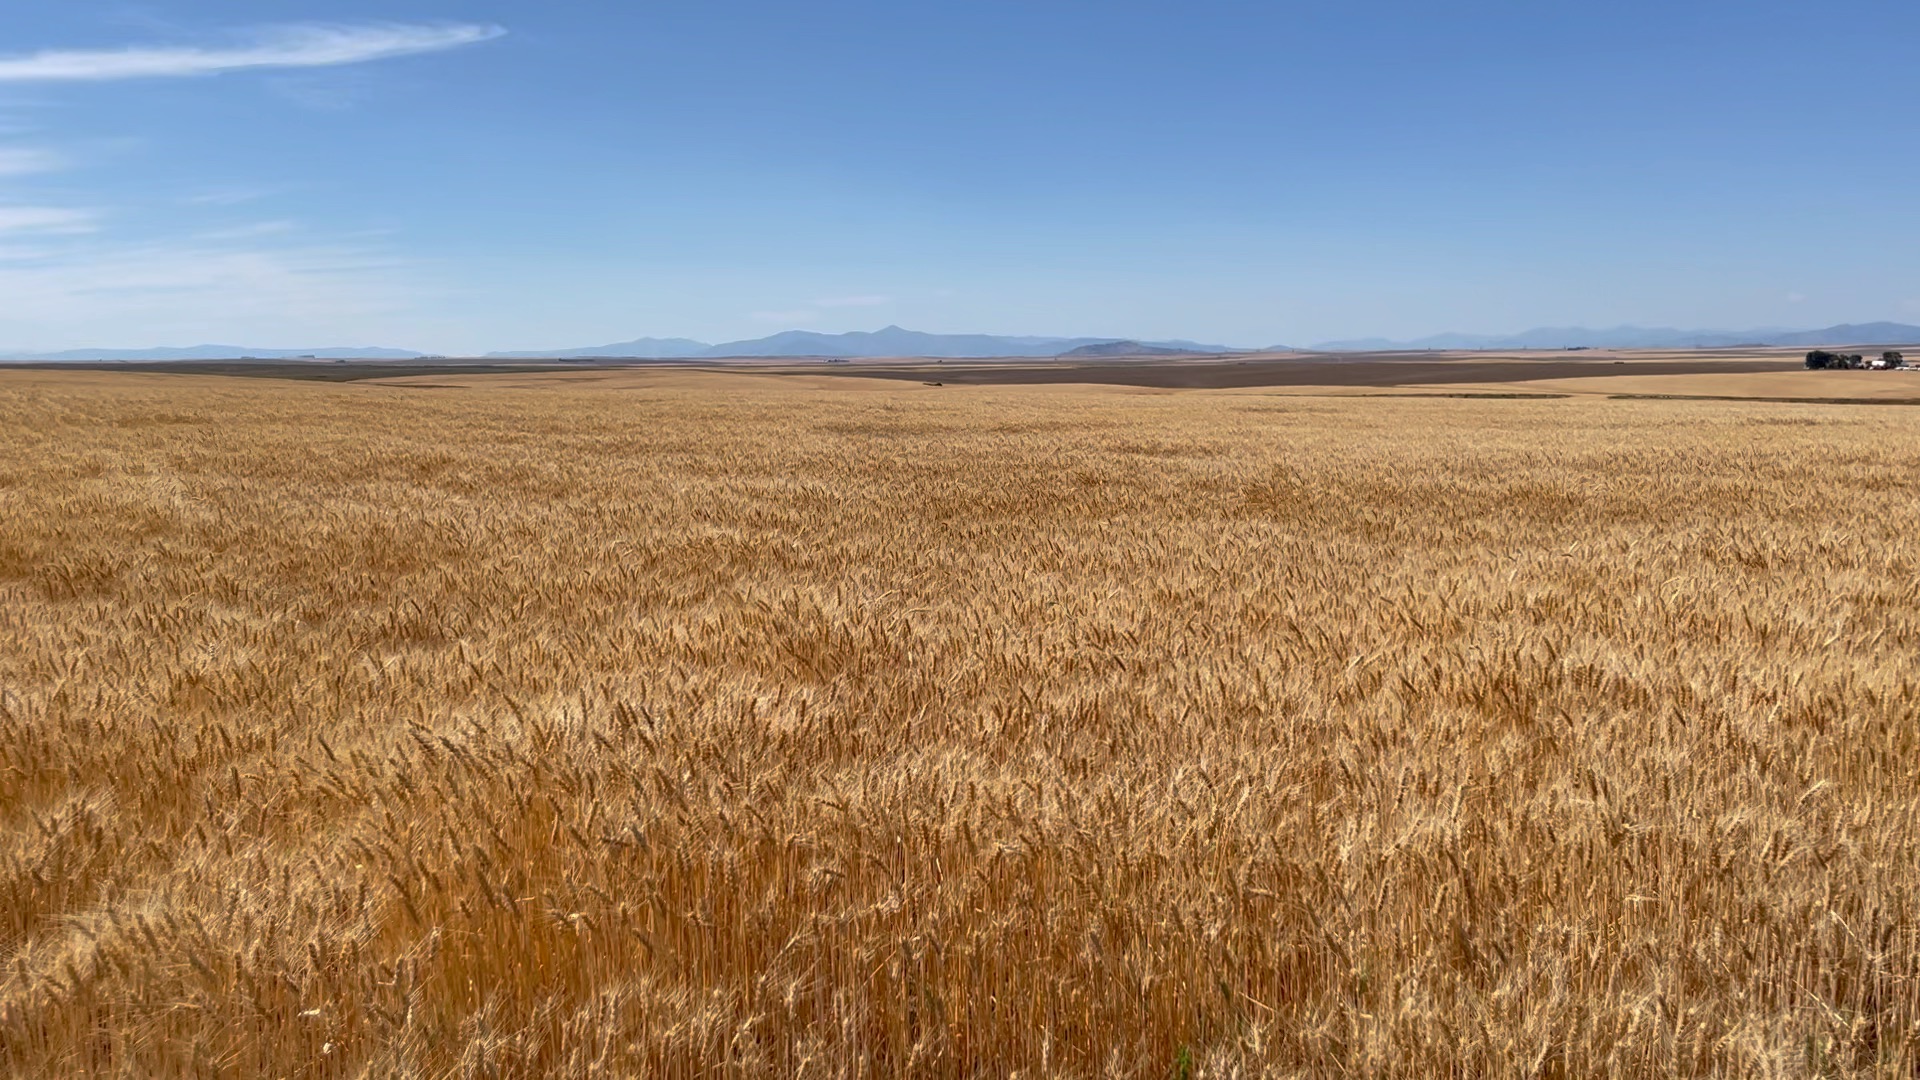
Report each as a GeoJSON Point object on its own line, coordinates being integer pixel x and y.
{"type": "Point", "coordinates": [1822, 360]}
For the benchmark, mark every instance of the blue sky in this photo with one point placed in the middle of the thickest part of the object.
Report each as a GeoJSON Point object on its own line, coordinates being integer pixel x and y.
{"type": "Point", "coordinates": [495, 174]}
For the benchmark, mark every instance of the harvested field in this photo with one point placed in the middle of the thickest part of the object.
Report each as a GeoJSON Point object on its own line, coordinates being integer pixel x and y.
{"type": "Point", "coordinates": [1320, 371]}
{"type": "Point", "coordinates": [740, 726]}
{"type": "Point", "coordinates": [1329, 370]}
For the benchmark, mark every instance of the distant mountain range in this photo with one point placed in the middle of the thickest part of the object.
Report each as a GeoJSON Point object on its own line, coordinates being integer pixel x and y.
{"type": "Point", "coordinates": [894, 341]}
{"type": "Point", "coordinates": [218, 352]}
{"type": "Point", "coordinates": [1640, 337]}
{"type": "Point", "coordinates": [1122, 348]}
{"type": "Point", "coordinates": [891, 341]}
{"type": "Point", "coordinates": [646, 348]}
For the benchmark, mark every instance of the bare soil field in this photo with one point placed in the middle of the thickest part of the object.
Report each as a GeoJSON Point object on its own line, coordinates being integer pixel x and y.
{"type": "Point", "coordinates": [1375, 370]}
{"type": "Point", "coordinates": [1344, 370]}
{"type": "Point", "coordinates": [1702, 374]}
{"type": "Point", "coordinates": [683, 724]}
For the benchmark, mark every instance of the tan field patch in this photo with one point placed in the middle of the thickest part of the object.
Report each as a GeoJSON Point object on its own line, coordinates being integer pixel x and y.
{"type": "Point", "coordinates": [634, 378]}
{"type": "Point", "coordinates": [759, 379]}
{"type": "Point", "coordinates": [1781, 386]}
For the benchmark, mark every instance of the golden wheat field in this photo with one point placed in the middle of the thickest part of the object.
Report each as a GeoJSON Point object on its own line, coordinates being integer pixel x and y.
{"type": "Point", "coordinates": [720, 726]}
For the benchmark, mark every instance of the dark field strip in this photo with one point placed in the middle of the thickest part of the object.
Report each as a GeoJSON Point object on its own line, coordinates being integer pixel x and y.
{"type": "Point", "coordinates": [1346, 370]}
{"type": "Point", "coordinates": [1356, 370]}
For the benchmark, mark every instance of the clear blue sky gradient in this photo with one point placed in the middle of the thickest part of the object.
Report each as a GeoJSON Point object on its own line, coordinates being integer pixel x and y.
{"type": "Point", "coordinates": [1241, 172]}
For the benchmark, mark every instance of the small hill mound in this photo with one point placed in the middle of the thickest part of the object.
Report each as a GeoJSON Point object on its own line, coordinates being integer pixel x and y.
{"type": "Point", "coordinates": [1119, 348]}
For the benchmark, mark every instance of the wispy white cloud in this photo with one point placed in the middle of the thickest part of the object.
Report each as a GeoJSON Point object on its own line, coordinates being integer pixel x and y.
{"type": "Point", "coordinates": [227, 197]}
{"type": "Point", "coordinates": [69, 281]}
{"type": "Point", "coordinates": [853, 301]}
{"type": "Point", "coordinates": [88, 291]}
{"type": "Point", "coordinates": [23, 160]}
{"type": "Point", "coordinates": [251, 232]}
{"type": "Point", "coordinates": [307, 46]}
{"type": "Point", "coordinates": [46, 219]}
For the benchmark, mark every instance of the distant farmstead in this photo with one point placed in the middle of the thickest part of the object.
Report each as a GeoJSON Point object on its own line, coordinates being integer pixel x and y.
{"type": "Point", "coordinates": [1822, 360]}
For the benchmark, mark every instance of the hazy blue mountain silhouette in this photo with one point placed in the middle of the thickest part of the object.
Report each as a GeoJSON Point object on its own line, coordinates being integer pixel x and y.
{"type": "Point", "coordinates": [1874, 333]}
{"type": "Point", "coordinates": [641, 348]}
{"type": "Point", "coordinates": [1640, 337]}
{"type": "Point", "coordinates": [219, 352]}
{"type": "Point", "coordinates": [888, 341]}
{"type": "Point", "coordinates": [1122, 348]}
{"type": "Point", "coordinates": [896, 341]}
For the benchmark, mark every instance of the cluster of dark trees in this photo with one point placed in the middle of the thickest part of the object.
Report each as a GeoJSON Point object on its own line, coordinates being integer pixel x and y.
{"type": "Point", "coordinates": [1822, 360]}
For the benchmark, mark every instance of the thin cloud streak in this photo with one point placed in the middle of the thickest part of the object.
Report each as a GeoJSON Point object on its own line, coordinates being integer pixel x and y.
{"type": "Point", "coordinates": [45, 219]}
{"type": "Point", "coordinates": [86, 292]}
{"type": "Point", "coordinates": [227, 197]}
{"type": "Point", "coordinates": [24, 161]}
{"type": "Point", "coordinates": [282, 47]}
